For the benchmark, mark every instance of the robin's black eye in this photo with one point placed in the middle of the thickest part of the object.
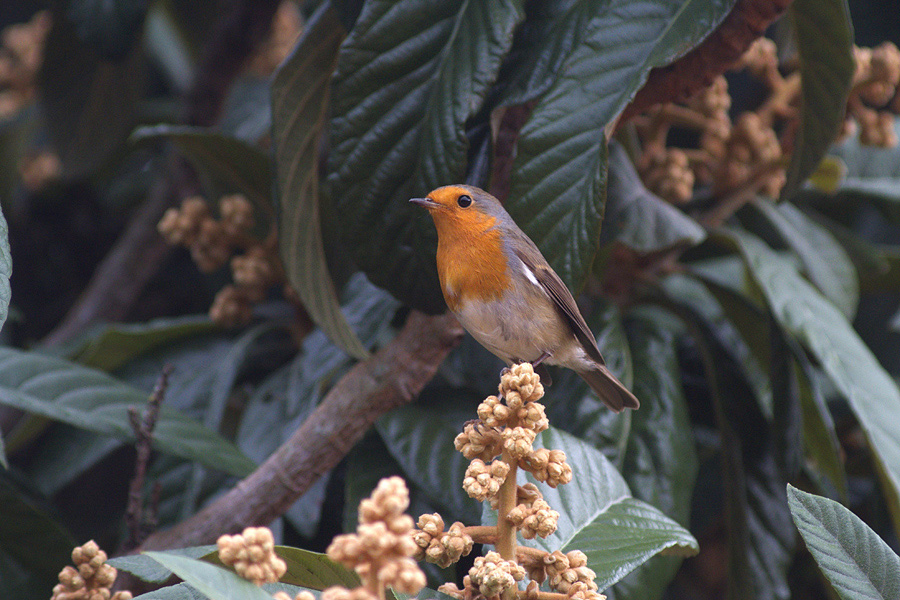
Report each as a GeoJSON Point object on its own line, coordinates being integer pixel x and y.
{"type": "Point", "coordinates": [464, 201]}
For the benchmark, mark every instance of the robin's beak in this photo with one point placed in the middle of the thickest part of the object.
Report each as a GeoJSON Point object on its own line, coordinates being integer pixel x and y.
{"type": "Point", "coordinates": [425, 203]}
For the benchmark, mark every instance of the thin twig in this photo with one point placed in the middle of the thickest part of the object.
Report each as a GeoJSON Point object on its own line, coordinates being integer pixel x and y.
{"type": "Point", "coordinates": [143, 426]}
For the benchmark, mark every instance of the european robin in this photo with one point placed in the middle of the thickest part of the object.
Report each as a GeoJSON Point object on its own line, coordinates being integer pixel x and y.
{"type": "Point", "coordinates": [500, 287]}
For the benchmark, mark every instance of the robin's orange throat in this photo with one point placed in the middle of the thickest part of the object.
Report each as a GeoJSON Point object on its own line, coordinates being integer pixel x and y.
{"type": "Point", "coordinates": [470, 258]}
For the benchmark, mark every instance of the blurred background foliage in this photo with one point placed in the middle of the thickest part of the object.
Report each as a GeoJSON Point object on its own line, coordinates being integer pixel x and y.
{"type": "Point", "coordinates": [175, 197]}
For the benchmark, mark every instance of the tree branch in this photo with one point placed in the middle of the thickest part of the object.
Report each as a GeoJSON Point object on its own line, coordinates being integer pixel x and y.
{"type": "Point", "coordinates": [392, 377]}
{"type": "Point", "coordinates": [697, 69]}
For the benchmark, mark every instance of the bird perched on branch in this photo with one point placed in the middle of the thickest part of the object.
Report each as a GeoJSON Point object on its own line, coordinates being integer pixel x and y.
{"type": "Point", "coordinates": [500, 287]}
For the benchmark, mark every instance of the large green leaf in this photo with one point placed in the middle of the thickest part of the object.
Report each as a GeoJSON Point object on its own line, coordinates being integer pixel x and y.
{"type": "Point", "coordinates": [300, 94]}
{"type": "Point", "coordinates": [824, 37]}
{"type": "Point", "coordinates": [559, 176]}
{"type": "Point", "coordinates": [115, 345]}
{"type": "Point", "coordinates": [409, 76]}
{"type": "Point", "coordinates": [760, 538]}
{"type": "Point", "coordinates": [857, 562]}
{"type": "Point", "coordinates": [824, 260]}
{"type": "Point", "coordinates": [660, 461]}
{"type": "Point", "coordinates": [228, 164]}
{"type": "Point", "coordinates": [94, 401]}
{"type": "Point", "coordinates": [24, 519]}
{"type": "Point", "coordinates": [148, 569]}
{"type": "Point", "coordinates": [214, 582]}
{"type": "Point", "coordinates": [638, 218]}
{"type": "Point", "coordinates": [599, 516]}
{"type": "Point", "coordinates": [851, 366]}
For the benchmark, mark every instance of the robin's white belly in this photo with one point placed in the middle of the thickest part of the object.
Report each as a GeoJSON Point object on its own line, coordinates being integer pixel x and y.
{"type": "Point", "coordinates": [501, 328]}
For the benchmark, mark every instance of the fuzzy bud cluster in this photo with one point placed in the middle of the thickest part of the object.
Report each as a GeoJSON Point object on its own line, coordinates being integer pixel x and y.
{"type": "Point", "coordinates": [213, 241]}
{"type": "Point", "coordinates": [90, 578]}
{"type": "Point", "coordinates": [668, 174]}
{"type": "Point", "coordinates": [438, 546]}
{"type": "Point", "coordinates": [761, 60]}
{"type": "Point", "coordinates": [534, 520]}
{"type": "Point", "coordinates": [752, 144]}
{"type": "Point", "coordinates": [381, 548]}
{"type": "Point", "coordinates": [252, 554]}
{"type": "Point", "coordinates": [568, 573]}
{"type": "Point", "coordinates": [483, 481]}
{"type": "Point", "coordinates": [492, 575]}
{"type": "Point", "coordinates": [478, 441]}
{"type": "Point", "coordinates": [548, 466]}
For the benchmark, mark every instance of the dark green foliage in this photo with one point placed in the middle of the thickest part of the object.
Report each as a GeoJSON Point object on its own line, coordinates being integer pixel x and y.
{"type": "Point", "coordinates": [754, 346]}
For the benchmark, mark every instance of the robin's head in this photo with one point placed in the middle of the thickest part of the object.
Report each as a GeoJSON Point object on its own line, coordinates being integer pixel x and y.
{"type": "Point", "coordinates": [462, 209]}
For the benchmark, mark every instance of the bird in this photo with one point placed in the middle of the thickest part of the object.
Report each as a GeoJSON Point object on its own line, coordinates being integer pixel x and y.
{"type": "Point", "coordinates": [505, 294]}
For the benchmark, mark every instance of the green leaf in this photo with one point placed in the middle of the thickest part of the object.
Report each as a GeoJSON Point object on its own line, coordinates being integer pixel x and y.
{"type": "Point", "coordinates": [824, 260]}
{"type": "Point", "coordinates": [25, 520]}
{"type": "Point", "coordinates": [558, 186]}
{"type": "Point", "coordinates": [228, 164]}
{"type": "Point", "coordinates": [90, 103]}
{"type": "Point", "coordinates": [660, 462]}
{"type": "Point", "coordinates": [115, 345]}
{"type": "Point", "coordinates": [407, 81]}
{"type": "Point", "coordinates": [180, 591]}
{"type": "Point", "coordinates": [639, 219]}
{"type": "Point", "coordinates": [599, 517]}
{"type": "Point", "coordinates": [855, 371]}
{"type": "Point", "coordinates": [314, 570]}
{"type": "Point", "coordinates": [94, 401]}
{"type": "Point", "coordinates": [760, 539]}
{"type": "Point", "coordinates": [854, 559]}
{"type": "Point", "coordinates": [300, 94]}
{"type": "Point", "coordinates": [824, 38]}
{"type": "Point", "coordinates": [146, 568]}
{"type": "Point", "coordinates": [110, 27]}
{"type": "Point", "coordinates": [421, 440]}
{"type": "Point", "coordinates": [215, 582]}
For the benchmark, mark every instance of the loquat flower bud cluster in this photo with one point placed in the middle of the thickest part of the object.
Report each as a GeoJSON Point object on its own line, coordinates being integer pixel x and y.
{"type": "Point", "coordinates": [438, 546]}
{"type": "Point", "coordinates": [492, 575]}
{"type": "Point", "coordinates": [483, 481]}
{"type": "Point", "coordinates": [381, 549]}
{"type": "Point", "coordinates": [212, 243]}
{"type": "Point", "coordinates": [252, 554]}
{"type": "Point", "coordinates": [90, 578]}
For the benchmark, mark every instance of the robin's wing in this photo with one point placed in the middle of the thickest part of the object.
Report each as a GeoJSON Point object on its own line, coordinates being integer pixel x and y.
{"type": "Point", "coordinates": [562, 297]}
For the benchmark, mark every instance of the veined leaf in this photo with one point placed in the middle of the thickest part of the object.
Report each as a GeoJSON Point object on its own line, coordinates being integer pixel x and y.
{"type": "Point", "coordinates": [599, 517]}
{"type": "Point", "coordinates": [856, 373]}
{"type": "Point", "coordinates": [228, 164]}
{"type": "Point", "coordinates": [638, 218]}
{"type": "Point", "coordinates": [300, 94]}
{"type": "Point", "coordinates": [857, 562]}
{"type": "Point", "coordinates": [94, 401]}
{"type": "Point", "coordinates": [409, 76]}
{"type": "Point", "coordinates": [661, 462]}
{"type": "Point", "coordinates": [825, 44]}
{"type": "Point", "coordinates": [215, 582]}
{"type": "Point", "coordinates": [557, 193]}
{"type": "Point", "coordinates": [148, 569]}
{"type": "Point", "coordinates": [824, 260]}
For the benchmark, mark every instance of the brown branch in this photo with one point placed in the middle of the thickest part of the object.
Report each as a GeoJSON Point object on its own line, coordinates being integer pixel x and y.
{"type": "Point", "coordinates": [697, 69]}
{"type": "Point", "coordinates": [143, 433]}
{"type": "Point", "coordinates": [390, 378]}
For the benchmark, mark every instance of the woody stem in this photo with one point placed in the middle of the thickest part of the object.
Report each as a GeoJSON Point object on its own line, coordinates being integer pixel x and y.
{"type": "Point", "coordinates": [506, 531]}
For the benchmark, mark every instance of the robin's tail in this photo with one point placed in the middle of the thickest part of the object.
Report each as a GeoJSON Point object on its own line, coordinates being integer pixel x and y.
{"type": "Point", "coordinates": [609, 389]}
